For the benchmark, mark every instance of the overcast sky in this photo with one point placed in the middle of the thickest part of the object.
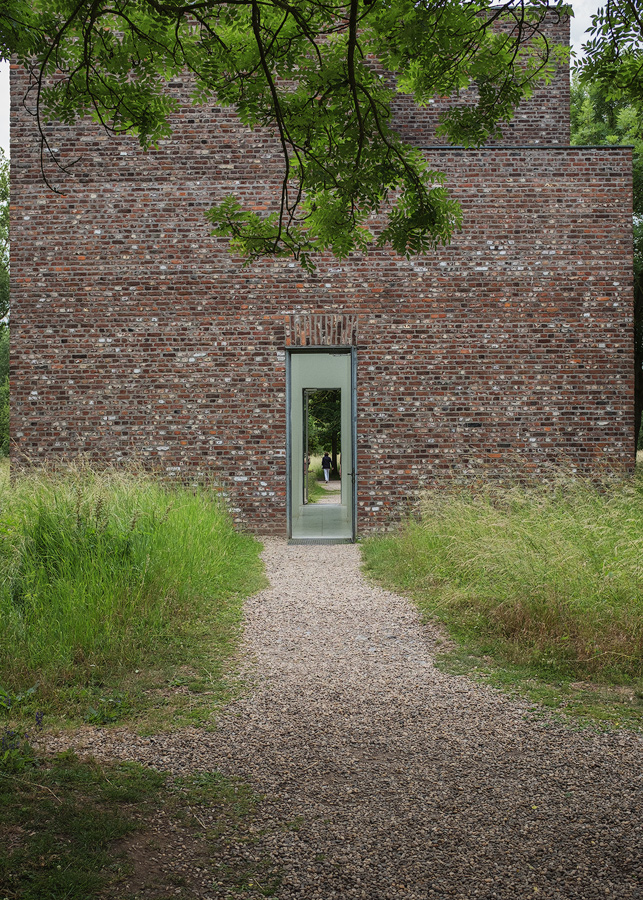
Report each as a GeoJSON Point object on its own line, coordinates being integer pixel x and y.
{"type": "Point", "coordinates": [583, 10]}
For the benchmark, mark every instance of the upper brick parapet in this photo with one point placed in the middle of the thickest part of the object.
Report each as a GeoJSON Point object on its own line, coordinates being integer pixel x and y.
{"type": "Point", "coordinates": [543, 119]}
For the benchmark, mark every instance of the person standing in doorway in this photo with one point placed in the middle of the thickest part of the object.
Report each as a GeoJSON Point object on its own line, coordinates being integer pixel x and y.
{"type": "Point", "coordinates": [326, 464]}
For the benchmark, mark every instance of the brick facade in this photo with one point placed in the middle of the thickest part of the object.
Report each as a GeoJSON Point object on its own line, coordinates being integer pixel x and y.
{"type": "Point", "coordinates": [137, 334]}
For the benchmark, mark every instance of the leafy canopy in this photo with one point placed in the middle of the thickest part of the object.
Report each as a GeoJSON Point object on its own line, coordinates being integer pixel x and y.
{"type": "Point", "coordinates": [613, 56]}
{"type": "Point", "coordinates": [611, 75]}
{"type": "Point", "coordinates": [324, 421]}
{"type": "Point", "coordinates": [321, 73]}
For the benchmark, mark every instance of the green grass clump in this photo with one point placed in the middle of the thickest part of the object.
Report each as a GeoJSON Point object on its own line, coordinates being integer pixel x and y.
{"type": "Point", "coordinates": [77, 829]}
{"type": "Point", "coordinates": [315, 490]}
{"type": "Point", "coordinates": [546, 578]}
{"type": "Point", "coordinates": [62, 821]}
{"type": "Point", "coordinates": [104, 573]}
{"type": "Point", "coordinates": [315, 467]}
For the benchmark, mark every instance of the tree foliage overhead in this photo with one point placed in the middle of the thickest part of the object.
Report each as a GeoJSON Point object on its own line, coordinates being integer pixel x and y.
{"type": "Point", "coordinates": [325, 422]}
{"type": "Point", "coordinates": [613, 56]}
{"type": "Point", "coordinates": [312, 71]}
{"type": "Point", "coordinates": [607, 106]}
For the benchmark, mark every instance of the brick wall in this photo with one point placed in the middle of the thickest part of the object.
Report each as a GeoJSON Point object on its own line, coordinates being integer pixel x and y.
{"type": "Point", "coordinates": [136, 334]}
{"type": "Point", "coordinates": [543, 119]}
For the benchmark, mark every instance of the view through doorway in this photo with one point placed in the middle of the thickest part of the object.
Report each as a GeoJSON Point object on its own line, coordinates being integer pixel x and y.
{"type": "Point", "coordinates": [323, 440]}
{"type": "Point", "coordinates": [321, 446]}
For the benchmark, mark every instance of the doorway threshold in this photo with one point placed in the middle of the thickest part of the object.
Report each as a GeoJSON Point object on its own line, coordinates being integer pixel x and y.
{"type": "Point", "coordinates": [320, 540]}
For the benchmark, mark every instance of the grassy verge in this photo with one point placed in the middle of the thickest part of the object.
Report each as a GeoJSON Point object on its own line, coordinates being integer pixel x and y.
{"type": "Point", "coordinates": [120, 598]}
{"type": "Point", "coordinates": [120, 602]}
{"type": "Point", "coordinates": [541, 589]}
{"type": "Point", "coordinates": [315, 490]}
{"type": "Point", "coordinates": [75, 829]}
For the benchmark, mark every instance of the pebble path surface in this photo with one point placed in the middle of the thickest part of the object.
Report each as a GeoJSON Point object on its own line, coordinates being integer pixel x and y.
{"type": "Point", "coordinates": [386, 779]}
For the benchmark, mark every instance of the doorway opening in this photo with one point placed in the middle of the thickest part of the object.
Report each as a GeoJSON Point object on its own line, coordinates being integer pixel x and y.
{"type": "Point", "coordinates": [321, 446]}
{"type": "Point", "coordinates": [322, 443]}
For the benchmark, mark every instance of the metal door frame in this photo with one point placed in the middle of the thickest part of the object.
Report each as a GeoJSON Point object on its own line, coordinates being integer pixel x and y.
{"type": "Point", "coordinates": [322, 351]}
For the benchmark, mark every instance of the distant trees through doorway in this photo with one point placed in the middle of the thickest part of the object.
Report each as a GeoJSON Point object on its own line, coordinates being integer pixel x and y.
{"type": "Point", "coordinates": [324, 425]}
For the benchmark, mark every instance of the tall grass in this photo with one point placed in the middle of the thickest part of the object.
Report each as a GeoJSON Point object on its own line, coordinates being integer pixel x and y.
{"type": "Point", "coordinates": [551, 577]}
{"type": "Point", "coordinates": [315, 490]}
{"type": "Point", "coordinates": [100, 572]}
{"type": "Point", "coordinates": [315, 467]}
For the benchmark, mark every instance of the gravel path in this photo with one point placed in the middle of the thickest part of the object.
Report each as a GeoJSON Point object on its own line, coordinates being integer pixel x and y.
{"type": "Point", "coordinates": [384, 778]}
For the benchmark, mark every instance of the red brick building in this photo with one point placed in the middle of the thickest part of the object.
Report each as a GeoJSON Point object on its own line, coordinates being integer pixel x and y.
{"type": "Point", "coordinates": [136, 334]}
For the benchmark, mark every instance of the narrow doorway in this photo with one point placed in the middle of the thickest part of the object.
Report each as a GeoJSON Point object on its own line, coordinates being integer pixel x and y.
{"type": "Point", "coordinates": [321, 423]}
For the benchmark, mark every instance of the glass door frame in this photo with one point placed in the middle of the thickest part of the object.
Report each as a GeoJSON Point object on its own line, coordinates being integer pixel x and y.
{"type": "Point", "coordinates": [319, 351]}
